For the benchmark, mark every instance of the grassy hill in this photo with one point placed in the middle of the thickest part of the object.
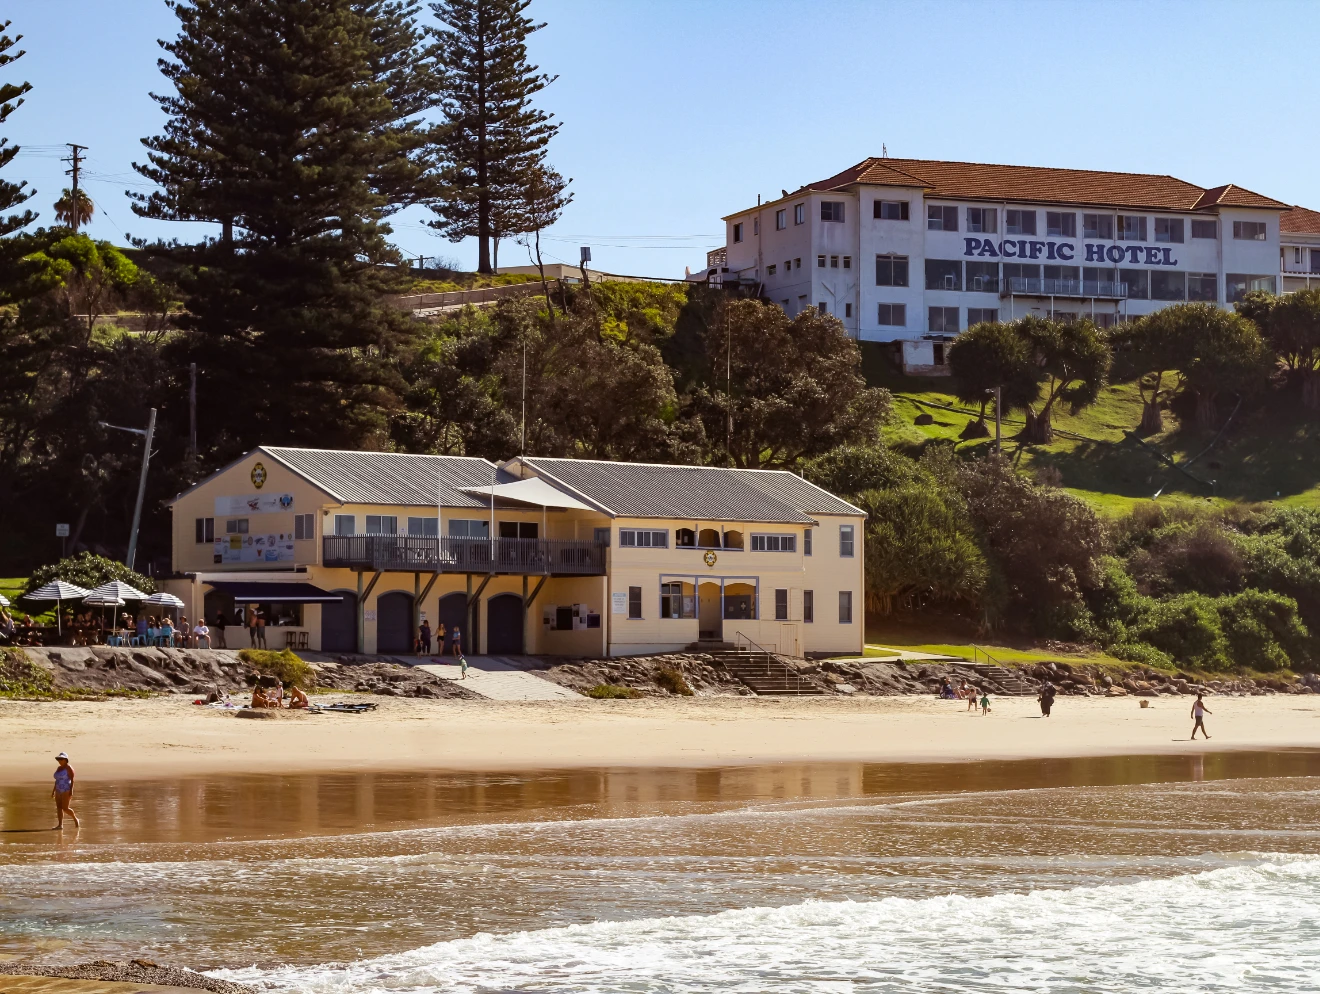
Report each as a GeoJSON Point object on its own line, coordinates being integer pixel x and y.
{"type": "Point", "coordinates": [1269, 452]}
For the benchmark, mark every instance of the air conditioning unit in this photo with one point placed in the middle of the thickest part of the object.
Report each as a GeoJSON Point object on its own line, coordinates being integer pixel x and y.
{"type": "Point", "coordinates": [978, 283]}
{"type": "Point", "coordinates": [950, 282]}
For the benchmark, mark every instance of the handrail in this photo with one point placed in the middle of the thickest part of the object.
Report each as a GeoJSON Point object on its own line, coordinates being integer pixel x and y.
{"type": "Point", "coordinates": [740, 637]}
{"type": "Point", "coordinates": [977, 651]}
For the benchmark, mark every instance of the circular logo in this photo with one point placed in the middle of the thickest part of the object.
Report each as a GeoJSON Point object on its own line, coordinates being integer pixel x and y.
{"type": "Point", "coordinates": [258, 475]}
{"type": "Point", "coordinates": [710, 558]}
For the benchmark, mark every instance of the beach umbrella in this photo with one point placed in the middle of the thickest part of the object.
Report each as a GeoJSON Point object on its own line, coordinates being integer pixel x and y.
{"type": "Point", "coordinates": [4, 601]}
{"type": "Point", "coordinates": [162, 599]}
{"type": "Point", "coordinates": [120, 589]}
{"type": "Point", "coordinates": [103, 600]}
{"type": "Point", "coordinates": [56, 590]}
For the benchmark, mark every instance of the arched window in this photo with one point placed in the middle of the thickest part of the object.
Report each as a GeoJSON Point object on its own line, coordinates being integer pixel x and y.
{"type": "Point", "coordinates": [733, 540]}
{"type": "Point", "coordinates": [710, 538]}
{"type": "Point", "coordinates": [685, 538]}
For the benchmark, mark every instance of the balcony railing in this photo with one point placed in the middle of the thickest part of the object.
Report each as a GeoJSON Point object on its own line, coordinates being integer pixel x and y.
{"type": "Point", "coordinates": [1030, 287]}
{"type": "Point", "coordinates": [415, 554]}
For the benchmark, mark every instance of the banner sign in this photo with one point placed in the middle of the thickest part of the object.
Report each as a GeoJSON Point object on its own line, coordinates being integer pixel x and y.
{"type": "Point", "coordinates": [273, 548]}
{"type": "Point", "coordinates": [1024, 248]}
{"type": "Point", "coordinates": [254, 504]}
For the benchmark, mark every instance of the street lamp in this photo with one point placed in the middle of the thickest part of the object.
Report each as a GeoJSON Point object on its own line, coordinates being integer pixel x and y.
{"type": "Point", "coordinates": [142, 480]}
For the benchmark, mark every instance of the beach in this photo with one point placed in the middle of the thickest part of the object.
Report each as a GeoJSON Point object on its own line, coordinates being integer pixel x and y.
{"type": "Point", "coordinates": [170, 736]}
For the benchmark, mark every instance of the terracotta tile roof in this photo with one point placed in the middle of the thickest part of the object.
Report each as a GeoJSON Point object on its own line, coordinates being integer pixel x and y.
{"type": "Point", "coordinates": [1083, 187]}
{"type": "Point", "coordinates": [1301, 220]}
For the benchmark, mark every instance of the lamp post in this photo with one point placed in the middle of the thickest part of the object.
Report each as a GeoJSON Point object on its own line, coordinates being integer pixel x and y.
{"type": "Point", "coordinates": [998, 392]}
{"type": "Point", "coordinates": [142, 480]}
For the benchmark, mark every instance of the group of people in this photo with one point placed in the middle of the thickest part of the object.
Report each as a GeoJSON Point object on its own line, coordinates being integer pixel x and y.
{"type": "Point", "coordinates": [965, 692]}
{"type": "Point", "coordinates": [448, 641]}
{"type": "Point", "coordinates": [273, 694]}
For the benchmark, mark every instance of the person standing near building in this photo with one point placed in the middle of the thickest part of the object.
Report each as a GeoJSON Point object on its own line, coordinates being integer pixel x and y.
{"type": "Point", "coordinates": [220, 622]}
{"type": "Point", "coordinates": [251, 621]}
{"type": "Point", "coordinates": [1199, 711]}
{"type": "Point", "coordinates": [260, 628]}
{"type": "Point", "coordinates": [63, 791]}
{"type": "Point", "coordinates": [424, 637]}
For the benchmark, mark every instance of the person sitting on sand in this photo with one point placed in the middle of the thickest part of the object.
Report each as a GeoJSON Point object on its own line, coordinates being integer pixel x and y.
{"type": "Point", "coordinates": [297, 699]}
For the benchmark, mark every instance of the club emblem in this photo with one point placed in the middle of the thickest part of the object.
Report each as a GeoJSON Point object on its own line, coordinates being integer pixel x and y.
{"type": "Point", "coordinates": [710, 558]}
{"type": "Point", "coordinates": [259, 475]}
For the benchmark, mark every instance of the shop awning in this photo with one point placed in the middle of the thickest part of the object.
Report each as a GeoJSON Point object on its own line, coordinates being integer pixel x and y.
{"type": "Point", "coordinates": [256, 592]}
{"type": "Point", "coordinates": [531, 491]}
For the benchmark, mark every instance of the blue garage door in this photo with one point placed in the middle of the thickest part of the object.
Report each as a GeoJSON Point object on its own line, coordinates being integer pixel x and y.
{"type": "Point", "coordinates": [394, 622]}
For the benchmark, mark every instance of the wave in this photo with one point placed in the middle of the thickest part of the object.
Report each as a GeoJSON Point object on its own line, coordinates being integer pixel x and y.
{"type": "Point", "coordinates": [1251, 927]}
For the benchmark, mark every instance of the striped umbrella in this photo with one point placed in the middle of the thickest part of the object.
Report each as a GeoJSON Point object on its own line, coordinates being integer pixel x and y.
{"type": "Point", "coordinates": [56, 590]}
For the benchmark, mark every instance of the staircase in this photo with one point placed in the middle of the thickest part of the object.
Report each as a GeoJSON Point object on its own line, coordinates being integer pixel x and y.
{"type": "Point", "coordinates": [1009, 680]}
{"type": "Point", "coordinates": [758, 670]}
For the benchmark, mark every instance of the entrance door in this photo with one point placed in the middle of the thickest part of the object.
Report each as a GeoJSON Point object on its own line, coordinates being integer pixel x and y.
{"type": "Point", "coordinates": [452, 613]}
{"type": "Point", "coordinates": [710, 611]}
{"type": "Point", "coordinates": [394, 622]}
{"type": "Point", "coordinates": [788, 640]}
{"type": "Point", "coordinates": [339, 623]}
{"type": "Point", "coordinates": [504, 625]}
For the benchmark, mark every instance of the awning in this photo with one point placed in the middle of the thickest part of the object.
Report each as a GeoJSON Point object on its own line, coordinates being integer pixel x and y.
{"type": "Point", "coordinates": [255, 592]}
{"type": "Point", "coordinates": [531, 491]}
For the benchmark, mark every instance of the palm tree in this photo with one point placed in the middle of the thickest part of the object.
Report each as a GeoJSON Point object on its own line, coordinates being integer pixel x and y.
{"type": "Point", "coordinates": [74, 210]}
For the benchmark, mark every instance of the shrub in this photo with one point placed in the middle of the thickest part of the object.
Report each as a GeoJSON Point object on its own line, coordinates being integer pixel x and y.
{"type": "Point", "coordinates": [88, 570]}
{"type": "Point", "coordinates": [22, 678]}
{"type": "Point", "coordinates": [1262, 630]}
{"type": "Point", "coordinates": [286, 665]}
{"type": "Point", "coordinates": [1199, 556]}
{"type": "Point", "coordinates": [672, 681]}
{"type": "Point", "coordinates": [1141, 652]}
{"type": "Point", "coordinates": [612, 692]}
{"type": "Point", "coordinates": [1188, 629]}
{"type": "Point", "coordinates": [1115, 601]}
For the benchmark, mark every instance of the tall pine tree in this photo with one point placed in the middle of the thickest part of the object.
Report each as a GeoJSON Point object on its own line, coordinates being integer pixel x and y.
{"type": "Point", "coordinates": [296, 127]}
{"type": "Point", "coordinates": [493, 143]}
{"type": "Point", "coordinates": [12, 195]}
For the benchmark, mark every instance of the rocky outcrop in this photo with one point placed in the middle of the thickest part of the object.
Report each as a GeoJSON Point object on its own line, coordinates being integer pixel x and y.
{"type": "Point", "coordinates": [138, 971]}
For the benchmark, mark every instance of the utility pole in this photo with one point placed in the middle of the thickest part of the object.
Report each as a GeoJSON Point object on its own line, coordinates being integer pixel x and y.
{"type": "Point", "coordinates": [75, 160]}
{"type": "Point", "coordinates": [142, 481]}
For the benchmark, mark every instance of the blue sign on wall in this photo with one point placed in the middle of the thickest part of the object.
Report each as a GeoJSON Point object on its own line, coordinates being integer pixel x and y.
{"type": "Point", "coordinates": [1029, 249]}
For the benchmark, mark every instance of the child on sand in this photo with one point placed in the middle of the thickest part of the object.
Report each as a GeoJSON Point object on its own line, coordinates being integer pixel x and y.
{"type": "Point", "coordinates": [985, 703]}
{"type": "Point", "coordinates": [63, 790]}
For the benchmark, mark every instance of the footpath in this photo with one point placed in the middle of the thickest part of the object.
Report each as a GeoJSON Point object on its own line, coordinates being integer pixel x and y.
{"type": "Point", "coordinates": [500, 678]}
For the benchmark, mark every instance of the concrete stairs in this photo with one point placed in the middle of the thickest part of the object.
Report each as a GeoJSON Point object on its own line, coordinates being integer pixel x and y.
{"type": "Point", "coordinates": [1010, 680]}
{"type": "Point", "coordinates": [760, 672]}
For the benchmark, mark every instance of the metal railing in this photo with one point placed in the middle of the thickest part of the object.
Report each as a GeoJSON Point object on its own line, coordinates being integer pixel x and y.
{"type": "Point", "coordinates": [745, 644]}
{"type": "Point", "coordinates": [1032, 287]}
{"type": "Point", "coordinates": [416, 554]}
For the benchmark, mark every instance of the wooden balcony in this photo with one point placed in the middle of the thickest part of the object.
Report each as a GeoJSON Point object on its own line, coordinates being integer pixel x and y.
{"type": "Point", "coordinates": [414, 554]}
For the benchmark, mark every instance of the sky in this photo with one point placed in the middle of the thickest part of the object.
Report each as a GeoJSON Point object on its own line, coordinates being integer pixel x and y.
{"type": "Point", "coordinates": [677, 113]}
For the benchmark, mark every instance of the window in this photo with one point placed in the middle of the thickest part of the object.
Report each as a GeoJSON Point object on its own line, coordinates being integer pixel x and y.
{"type": "Point", "coordinates": [781, 219]}
{"type": "Point", "coordinates": [847, 262]}
{"type": "Point", "coordinates": [891, 210]}
{"type": "Point", "coordinates": [770, 269]}
{"type": "Point", "coordinates": [239, 526]}
{"type": "Point", "coordinates": [601, 536]}
{"type": "Point", "coordinates": [205, 528]}
{"type": "Point", "coordinates": [1097, 226]}
{"type": "Point", "coordinates": [1096, 275]}
{"type": "Point", "coordinates": [823, 308]}
{"type": "Point", "coordinates": [1251, 231]}
{"type": "Point", "coordinates": [834, 262]}
{"type": "Point", "coordinates": [1168, 229]}
{"type": "Point", "coordinates": [685, 538]}
{"type": "Point", "coordinates": [806, 541]}
{"type": "Point", "coordinates": [1202, 286]}
{"type": "Point", "coordinates": [799, 213]}
{"type": "Point", "coordinates": [1315, 260]}
{"type": "Point", "coordinates": [519, 529]}
{"type": "Point", "coordinates": [774, 543]}
{"type": "Point", "coordinates": [1205, 229]}
{"type": "Point", "coordinates": [382, 524]}
{"type": "Point", "coordinates": [1138, 282]}
{"type": "Point", "coordinates": [797, 263]}
{"type": "Point", "coordinates": [1238, 285]}
{"type": "Point", "coordinates": [1073, 273]}
{"type": "Point", "coordinates": [846, 541]}
{"type": "Point", "coordinates": [1165, 285]}
{"type": "Point", "coordinates": [304, 526]}
{"type": "Point", "coordinates": [937, 354]}
{"type": "Point", "coordinates": [983, 277]}
{"type": "Point", "coordinates": [634, 603]}
{"type": "Point", "coordinates": [1020, 271]}
{"type": "Point", "coordinates": [733, 540]}
{"type": "Point", "coordinates": [1061, 224]}
{"type": "Point", "coordinates": [943, 274]}
{"type": "Point", "coordinates": [847, 310]}
{"type": "Point", "coordinates": [808, 606]}
{"type": "Point", "coordinates": [788, 265]}
{"type": "Point", "coordinates": [891, 270]}
{"type": "Point", "coordinates": [892, 315]}
{"type": "Point", "coordinates": [845, 607]}
{"type": "Point", "coordinates": [820, 262]}
{"type": "Point", "coordinates": [1297, 255]}
{"type": "Point", "coordinates": [469, 528]}
{"type": "Point", "coordinates": [637, 538]}
{"type": "Point", "coordinates": [1020, 222]}
{"type": "Point", "coordinates": [982, 315]}
{"type": "Point", "coordinates": [943, 320]}
{"type": "Point", "coordinates": [737, 232]}
{"type": "Point", "coordinates": [781, 604]}
{"type": "Point", "coordinates": [1131, 228]}
{"type": "Point", "coordinates": [831, 210]}
{"type": "Point", "coordinates": [677, 599]}
{"type": "Point", "coordinates": [345, 524]}
{"type": "Point", "coordinates": [983, 219]}
{"type": "Point", "coordinates": [941, 218]}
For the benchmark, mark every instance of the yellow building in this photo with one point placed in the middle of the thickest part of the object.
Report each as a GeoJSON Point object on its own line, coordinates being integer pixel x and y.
{"type": "Point", "coordinates": [351, 551]}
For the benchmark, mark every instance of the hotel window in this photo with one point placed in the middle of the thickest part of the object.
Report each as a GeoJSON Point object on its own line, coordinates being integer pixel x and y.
{"type": "Point", "coordinates": [1297, 256]}
{"type": "Point", "coordinates": [891, 270]}
{"type": "Point", "coordinates": [1138, 282]}
{"type": "Point", "coordinates": [847, 262]}
{"type": "Point", "coordinates": [820, 262]}
{"type": "Point", "coordinates": [1020, 271]}
{"type": "Point", "coordinates": [1202, 286]}
{"type": "Point", "coordinates": [1251, 231]}
{"type": "Point", "coordinates": [845, 607]}
{"type": "Point", "coordinates": [846, 541]}
{"type": "Point", "coordinates": [1168, 229]}
{"type": "Point", "coordinates": [345, 524]}
{"type": "Point", "coordinates": [737, 232]}
{"type": "Point", "coordinates": [799, 213]}
{"type": "Point", "coordinates": [847, 310]}
{"type": "Point", "coordinates": [468, 528]}
{"type": "Point", "coordinates": [1165, 285]}
{"type": "Point", "coordinates": [982, 315]}
{"type": "Point", "coordinates": [941, 218]}
{"type": "Point", "coordinates": [781, 604]}
{"type": "Point", "coordinates": [770, 269]}
{"type": "Point", "coordinates": [1020, 222]}
{"type": "Point", "coordinates": [639, 538]}
{"type": "Point", "coordinates": [982, 219]}
{"type": "Point", "coordinates": [943, 320]}
{"type": "Point", "coordinates": [834, 262]}
{"type": "Point", "coordinates": [382, 524]}
{"type": "Point", "coordinates": [422, 527]}
{"type": "Point", "coordinates": [892, 315]}
{"type": "Point", "coordinates": [1093, 276]}
{"type": "Point", "coordinates": [808, 606]}
{"type": "Point", "coordinates": [1073, 273]}
{"type": "Point", "coordinates": [239, 526]}
{"type": "Point", "coordinates": [1238, 285]}
{"type": "Point", "coordinates": [806, 541]}
{"type": "Point", "coordinates": [788, 265]}
{"type": "Point", "coordinates": [891, 210]}
{"type": "Point", "coordinates": [822, 307]}
{"type": "Point", "coordinates": [677, 599]}
{"type": "Point", "coordinates": [797, 263]}
{"type": "Point", "coordinates": [1205, 229]}
{"type": "Point", "coordinates": [1315, 260]}
{"type": "Point", "coordinates": [831, 210]}
{"type": "Point", "coordinates": [634, 603]}
{"type": "Point", "coordinates": [1097, 226]}
{"type": "Point", "coordinates": [1131, 228]}
{"type": "Point", "coordinates": [519, 529]}
{"type": "Point", "coordinates": [982, 277]}
{"type": "Point", "coordinates": [205, 530]}
{"type": "Point", "coordinates": [774, 543]}
{"type": "Point", "coordinates": [304, 526]}
{"type": "Point", "coordinates": [781, 219]}
{"type": "Point", "coordinates": [943, 274]}
{"type": "Point", "coordinates": [1061, 224]}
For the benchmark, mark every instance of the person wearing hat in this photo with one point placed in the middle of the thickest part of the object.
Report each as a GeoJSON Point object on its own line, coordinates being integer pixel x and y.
{"type": "Point", "coordinates": [63, 790]}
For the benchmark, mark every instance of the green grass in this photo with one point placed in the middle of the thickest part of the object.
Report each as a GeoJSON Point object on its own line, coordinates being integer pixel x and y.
{"type": "Point", "coordinates": [12, 587]}
{"type": "Point", "coordinates": [1000, 653]}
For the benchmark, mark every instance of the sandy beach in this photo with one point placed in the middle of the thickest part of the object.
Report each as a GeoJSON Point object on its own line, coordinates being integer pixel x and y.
{"type": "Point", "coordinates": [169, 736]}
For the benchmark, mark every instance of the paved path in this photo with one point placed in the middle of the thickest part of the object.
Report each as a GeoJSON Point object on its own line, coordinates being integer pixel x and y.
{"type": "Point", "coordinates": [888, 655]}
{"type": "Point", "coordinates": [500, 678]}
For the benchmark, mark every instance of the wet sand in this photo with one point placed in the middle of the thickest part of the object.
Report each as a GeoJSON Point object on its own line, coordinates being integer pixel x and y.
{"type": "Point", "coordinates": [169, 736]}
{"type": "Point", "coordinates": [58, 985]}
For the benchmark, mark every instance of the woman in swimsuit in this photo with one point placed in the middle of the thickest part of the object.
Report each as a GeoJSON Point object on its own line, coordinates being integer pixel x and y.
{"type": "Point", "coordinates": [63, 790]}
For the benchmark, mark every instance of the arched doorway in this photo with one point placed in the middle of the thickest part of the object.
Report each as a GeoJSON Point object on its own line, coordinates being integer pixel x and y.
{"type": "Point", "coordinates": [452, 613]}
{"type": "Point", "coordinates": [339, 630]}
{"type": "Point", "coordinates": [504, 625]}
{"type": "Point", "coordinates": [394, 622]}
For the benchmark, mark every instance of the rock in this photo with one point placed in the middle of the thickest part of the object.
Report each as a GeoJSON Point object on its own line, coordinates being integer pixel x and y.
{"type": "Point", "coordinates": [257, 713]}
{"type": "Point", "coordinates": [924, 419]}
{"type": "Point", "coordinates": [845, 688]}
{"type": "Point", "coordinates": [1115, 691]}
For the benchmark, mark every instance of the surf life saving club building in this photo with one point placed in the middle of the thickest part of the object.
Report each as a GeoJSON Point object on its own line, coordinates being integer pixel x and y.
{"type": "Point", "coordinates": [349, 551]}
{"type": "Point", "coordinates": [912, 252]}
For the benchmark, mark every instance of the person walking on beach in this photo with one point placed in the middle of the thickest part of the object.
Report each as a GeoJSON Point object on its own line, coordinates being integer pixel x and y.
{"type": "Point", "coordinates": [1046, 698]}
{"type": "Point", "coordinates": [1199, 711]}
{"type": "Point", "coordinates": [63, 790]}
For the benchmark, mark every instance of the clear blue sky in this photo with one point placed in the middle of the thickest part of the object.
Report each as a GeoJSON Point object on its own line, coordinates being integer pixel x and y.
{"type": "Point", "coordinates": [678, 113]}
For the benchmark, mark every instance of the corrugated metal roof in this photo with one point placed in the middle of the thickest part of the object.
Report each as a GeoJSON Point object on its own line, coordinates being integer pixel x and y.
{"type": "Point", "coordinates": [391, 477]}
{"type": "Point", "coordinates": [694, 493]}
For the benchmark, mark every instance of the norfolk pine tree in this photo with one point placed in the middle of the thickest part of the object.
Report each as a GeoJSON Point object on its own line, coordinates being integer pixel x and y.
{"type": "Point", "coordinates": [12, 195]}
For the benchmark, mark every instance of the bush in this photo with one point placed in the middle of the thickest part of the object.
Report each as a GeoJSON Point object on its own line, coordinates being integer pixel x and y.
{"type": "Point", "coordinates": [672, 681]}
{"type": "Point", "coordinates": [1115, 601]}
{"type": "Point", "coordinates": [1262, 630]}
{"type": "Point", "coordinates": [1141, 652]}
{"type": "Point", "coordinates": [1188, 629]}
{"type": "Point", "coordinates": [612, 692]}
{"type": "Point", "coordinates": [21, 678]}
{"type": "Point", "coordinates": [286, 665]}
{"type": "Point", "coordinates": [88, 570]}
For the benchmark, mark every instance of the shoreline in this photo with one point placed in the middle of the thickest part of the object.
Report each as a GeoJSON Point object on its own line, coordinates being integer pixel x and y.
{"type": "Point", "coordinates": [151, 738]}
